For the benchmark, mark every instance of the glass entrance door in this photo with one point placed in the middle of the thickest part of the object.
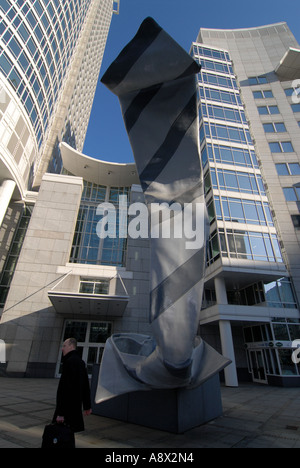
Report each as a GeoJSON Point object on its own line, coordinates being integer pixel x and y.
{"type": "Point", "coordinates": [91, 338]}
{"type": "Point", "coordinates": [257, 366]}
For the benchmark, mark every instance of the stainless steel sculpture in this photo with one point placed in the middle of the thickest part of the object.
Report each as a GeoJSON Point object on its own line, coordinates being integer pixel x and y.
{"type": "Point", "coordinates": [154, 79]}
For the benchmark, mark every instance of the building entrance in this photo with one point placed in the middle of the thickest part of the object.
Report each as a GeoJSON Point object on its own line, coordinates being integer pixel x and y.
{"type": "Point", "coordinates": [257, 366]}
{"type": "Point", "coordinates": [91, 338]}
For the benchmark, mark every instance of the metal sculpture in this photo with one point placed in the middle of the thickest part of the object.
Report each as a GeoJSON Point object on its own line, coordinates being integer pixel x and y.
{"type": "Point", "coordinates": [155, 81]}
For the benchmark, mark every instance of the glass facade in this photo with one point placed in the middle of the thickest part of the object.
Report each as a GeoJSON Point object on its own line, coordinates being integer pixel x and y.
{"type": "Point", "coordinates": [234, 187]}
{"type": "Point", "coordinates": [37, 40]}
{"type": "Point", "coordinates": [87, 247]}
{"type": "Point", "coordinates": [274, 340]}
{"type": "Point", "coordinates": [91, 337]}
{"type": "Point", "coordinates": [8, 270]}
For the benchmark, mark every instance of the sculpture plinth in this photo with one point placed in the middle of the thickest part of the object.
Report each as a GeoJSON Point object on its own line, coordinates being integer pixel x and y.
{"type": "Point", "coordinates": [176, 411]}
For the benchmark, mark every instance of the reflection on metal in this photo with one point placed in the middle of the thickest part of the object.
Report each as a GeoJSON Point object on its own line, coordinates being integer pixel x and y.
{"type": "Point", "coordinates": [154, 79]}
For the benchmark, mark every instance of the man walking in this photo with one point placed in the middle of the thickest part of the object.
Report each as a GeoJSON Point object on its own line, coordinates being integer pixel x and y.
{"type": "Point", "coordinates": [73, 393]}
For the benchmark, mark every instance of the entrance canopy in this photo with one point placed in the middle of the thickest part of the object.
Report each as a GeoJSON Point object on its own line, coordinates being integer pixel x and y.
{"type": "Point", "coordinates": [88, 305]}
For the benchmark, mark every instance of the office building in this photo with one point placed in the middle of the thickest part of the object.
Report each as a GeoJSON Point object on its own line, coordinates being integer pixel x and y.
{"type": "Point", "coordinates": [67, 281]}
{"type": "Point", "coordinates": [50, 58]}
{"type": "Point", "coordinates": [250, 146]}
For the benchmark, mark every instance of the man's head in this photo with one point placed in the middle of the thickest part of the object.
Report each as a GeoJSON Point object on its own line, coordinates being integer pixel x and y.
{"type": "Point", "coordinates": [69, 345]}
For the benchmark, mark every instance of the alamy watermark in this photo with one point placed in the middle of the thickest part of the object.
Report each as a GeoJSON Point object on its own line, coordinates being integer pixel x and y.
{"type": "Point", "coordinates": [158, 220]}
{"type": "Point", "coordinates": [296, 353]}
{"type": "Point", "coordinates": [296, 93]}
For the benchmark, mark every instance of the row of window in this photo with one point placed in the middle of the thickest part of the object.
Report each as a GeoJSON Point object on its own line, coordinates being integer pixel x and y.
{"type": "Point", "coordinates": [55, 28]}
{"type": "Point", "coordinates": [281, 147]}
{"type": "Point", "coordinates": [218, 80]}
{"type": "Point", "coordinates": [87, 247]}
{"type": "Point", "coordinates": [235, 181]}
{"type": "Point", "coordinates": [275, 127]}
{"type": "Point", "coordinates": [262, 80]}
{"type": "Point", "coordinates": [226, 133]}
{"type": "Point", "coordinates": [266, 94]}
{"type": "Point", "coordinates": [229, 155]}
{"type": "Point", "coordinates": [250, 245]}
{"type": "Point", "coordinates": [218, 95]}
{"type": "Point", "coordinates": [8, 270]}
{"type": "Point", "coordinates": [233, 243]}
{"type": "Point", "coordinates": [242, 211]}
{"type": "Point", "coordinates": [224, 113]}
{"type": "Point", "coordinates": [211, 53]}
{"type": "Point", "coordinates": [274, 109]}
{"type": "Point", "coordinates": [284, 169]}
{"type": "Point", "coordinates": [278, 294]}
{"type": "Point", "coordinates": [246, 245]}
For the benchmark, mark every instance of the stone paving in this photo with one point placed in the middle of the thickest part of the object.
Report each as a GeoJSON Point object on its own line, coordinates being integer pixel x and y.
{"type": "Point", "coordinates": [254, 416]}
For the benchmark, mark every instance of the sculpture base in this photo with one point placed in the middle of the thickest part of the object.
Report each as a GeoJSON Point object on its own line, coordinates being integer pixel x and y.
{"type": "Point", "coordinates": [175, 411]}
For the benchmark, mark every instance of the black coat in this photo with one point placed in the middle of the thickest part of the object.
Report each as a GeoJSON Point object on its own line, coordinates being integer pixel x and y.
{"type": "Point", "coordinates": [73, 393]}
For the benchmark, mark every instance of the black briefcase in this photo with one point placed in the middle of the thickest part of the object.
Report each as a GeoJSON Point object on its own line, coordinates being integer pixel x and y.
{"type": "Point", "coordinates": [58, 436]}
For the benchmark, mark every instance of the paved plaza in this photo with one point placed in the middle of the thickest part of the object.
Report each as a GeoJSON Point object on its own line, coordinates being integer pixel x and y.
{"type": "Point", "coordinates": [254, 416]}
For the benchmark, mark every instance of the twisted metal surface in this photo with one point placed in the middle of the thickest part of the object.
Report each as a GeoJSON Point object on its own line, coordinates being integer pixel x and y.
{"type": "Point", "coordinates": [154, 79]}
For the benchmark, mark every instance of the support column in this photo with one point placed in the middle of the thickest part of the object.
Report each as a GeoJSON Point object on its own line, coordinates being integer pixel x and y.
{"type": "Point", "coordinates": [231, 379]}
{"type": "Point", "coordinates": [6, 190]}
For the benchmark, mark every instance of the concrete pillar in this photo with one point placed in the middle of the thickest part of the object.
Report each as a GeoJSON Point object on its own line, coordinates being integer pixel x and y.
{"type": "Point", "coordinates": [226, 335]}
{"type": "Point", "coordinates": [6, 190]}
{"type": "Point", "coordinates": [220, 288]}
{"type": "Point", "coordinates": [231, 379]}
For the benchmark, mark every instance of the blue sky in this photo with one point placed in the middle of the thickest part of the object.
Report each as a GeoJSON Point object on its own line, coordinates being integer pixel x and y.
{"type": "Point", "coordinates": [106, 137]}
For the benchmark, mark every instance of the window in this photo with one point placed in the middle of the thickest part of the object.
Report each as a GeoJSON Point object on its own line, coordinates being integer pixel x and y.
{"type": "Point", "coordinates": [282, 169]}
{"type": "Point", "coordinates": [7, 273]}
{"type": "Point", "coordinates": [281, 147]}
{"type": "Point", "coordinates": [294, 168]}
{"type": "Point", "coordinates": [224, 113]}
{"type": "Point", "coordinates": [87, 247]}
{"type": "Point", "coordinates": [250, 245]}
{"type": "Point", "coordinates": [91, 338]}
{"type": "Point", "coordinates": [274, 127]}
{"type": "Point", "coordinates": [228, 133]}
{"type": "Point", "coordinates": [221, 81]}
{"type": "Point", "coordinates": [262, 94]}
{"type": "Point", "coordinates": [296, 107]}
{"type": "Point", "coordinates": [258, 80]}
{"type": "Point", "coordinates": [231, 155]}
{"type": "Point", "coordinates": [268, 110]}
{"type": "Point", "coordinates": [93, 286]}
{"type": "Point", "coordinates": [211, 53]}
{"type": "Point", "coordinates": [213, 250]}
{"type": "Point", "coordinates": [288, 169]}
{"type": "Point", "coordinates": [296, 221]}
{"type": "Point", "coordinates": [289, 92]}
{"type": "Point", "coordinates": [243, 211]}
{"type": "Point", "coordinates": [292, 193]}
{"type": "Point", "coordinates": [220, 96]}
{"type": "Point", "coordinates": [210, 65]}
{"type": "Point", "coordinates": [237, 181]}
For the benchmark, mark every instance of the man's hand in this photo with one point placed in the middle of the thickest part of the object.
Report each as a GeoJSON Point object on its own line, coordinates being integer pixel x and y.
{"type": "Point", "coordinates": [87, 412]}
{"type": "Point", "coordinates": [60, 419]}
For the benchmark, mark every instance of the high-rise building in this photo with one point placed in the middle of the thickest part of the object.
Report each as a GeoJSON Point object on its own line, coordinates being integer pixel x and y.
{"type": "Point", "coordinates": [50, 58]}
{"type": "Point", "coordinates": [65, 280]}
{"type": "Point", "coordinates": [250, 144]}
